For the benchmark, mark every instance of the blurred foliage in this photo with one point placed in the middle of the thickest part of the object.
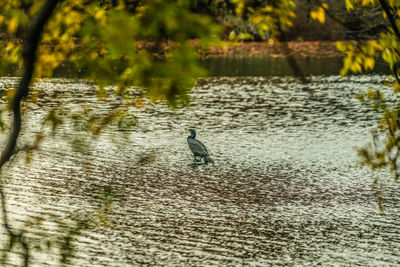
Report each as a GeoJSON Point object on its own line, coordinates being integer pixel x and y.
{"type": "Point", "coordinates": [130, 45]}
{"type": "Point", "coordinates": [248, 19]}
{"type": "Point", "coordinates": [151, 46]}
{"type": "Point", "coordinates": [61, 242]}
{"type": "Point", "coordinates": [117, 43]}
{"type": "Point", "coordinates": [242, 21]}
{"type": "Point", "coordinates": [133, 51]}
{"type": "Point", "coordinates": [319, 13]}
{"type": "Point", "coordinates": [360, 56]}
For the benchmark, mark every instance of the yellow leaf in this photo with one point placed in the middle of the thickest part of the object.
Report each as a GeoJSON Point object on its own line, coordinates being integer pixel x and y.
{"type": "Point", "coordinates": [355, 67]}
{"type": "Point", "coordinates": [64, 37]}
{"type": "Point", "coordinates": [268, 9]}
{"type": "Point", "coordinates": [341, 46]}
{"type": "Point", "coordinates": [245, 36]}
{"type": "Point", "coordinates": [99, 14]}
{"type": "Point", "coordinates": [12, 25]}
{"type": "Point", "coordinates": [349, 5]}
{"type": "Point", "coordinates": [256, 19]}
{"type": "Point", "coordinates": [10, 46]}
{"type": "Point", "coordinates": [369, 63]}
{"type": "Point", "coordinates": [313, 14]}
{"type": "Point", "coordinates": [263, 27]}
{"type": "Point", "coordinates": [239, 9]}
{"type": "Point", "coordinates": [374, 44]}
{"type": "Point", "coordinates": [318, 14]}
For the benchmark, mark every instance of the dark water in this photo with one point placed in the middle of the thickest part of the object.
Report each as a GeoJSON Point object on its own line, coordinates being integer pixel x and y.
{"type": "Point", "coordinates": [266, 66]}
{"type": "Point", "coordinates": [284, 190]}
{"type": "Point", "coordinates": [258, 66]}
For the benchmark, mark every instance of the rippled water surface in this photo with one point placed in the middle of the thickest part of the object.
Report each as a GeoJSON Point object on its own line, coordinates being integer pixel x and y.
{"type": "Point", "coordinates": [284, 190]}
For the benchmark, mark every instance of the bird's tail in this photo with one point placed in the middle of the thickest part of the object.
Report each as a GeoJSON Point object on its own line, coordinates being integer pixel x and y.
{"type": "Point", "coordinates": [207, 160]}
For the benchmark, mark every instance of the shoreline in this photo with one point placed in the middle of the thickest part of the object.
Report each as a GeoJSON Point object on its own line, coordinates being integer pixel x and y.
{"type": "Point", "coordinates": [225, 49]}
{"type": "Point", "coordinates": [298, 49]}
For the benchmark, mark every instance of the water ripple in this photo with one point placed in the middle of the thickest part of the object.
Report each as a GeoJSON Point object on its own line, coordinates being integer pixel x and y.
{"type": "Point", "coordinates": [284, 190]}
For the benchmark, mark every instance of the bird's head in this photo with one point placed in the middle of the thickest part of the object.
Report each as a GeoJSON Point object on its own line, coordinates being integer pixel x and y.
{"type": "Point", "coordinates": [192, 132]}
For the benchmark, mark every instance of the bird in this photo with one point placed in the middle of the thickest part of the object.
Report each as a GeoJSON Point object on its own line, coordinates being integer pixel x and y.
{"type": "Point", "coordinates": [198, 148]}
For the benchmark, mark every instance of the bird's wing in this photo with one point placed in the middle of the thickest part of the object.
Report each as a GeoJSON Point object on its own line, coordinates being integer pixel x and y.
{"type": "Point", "coordinates": [202, 145]}
{"type": "Point", "coordinates": [197, 147]}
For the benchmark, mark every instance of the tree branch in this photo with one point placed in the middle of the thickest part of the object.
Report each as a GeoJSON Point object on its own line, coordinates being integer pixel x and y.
{"type": "Point", "coordinates": [390, 17]}
{"type": "Point", "coordinates": [31, 42]}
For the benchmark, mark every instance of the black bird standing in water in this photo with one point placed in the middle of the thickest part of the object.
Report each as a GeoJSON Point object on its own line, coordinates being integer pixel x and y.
{"type": "Point", "coordinates": [198, 148]}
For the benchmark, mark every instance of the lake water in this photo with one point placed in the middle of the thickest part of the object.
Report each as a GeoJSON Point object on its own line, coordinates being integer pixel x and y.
{"type": "Point", "coordinates": [285, 188]}
{"type": "Point", "coordinates": [280, 66]}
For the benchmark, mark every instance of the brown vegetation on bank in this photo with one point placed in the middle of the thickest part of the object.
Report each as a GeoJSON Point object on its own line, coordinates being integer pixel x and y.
{"type": "Point", "coordinates": [301, 49]}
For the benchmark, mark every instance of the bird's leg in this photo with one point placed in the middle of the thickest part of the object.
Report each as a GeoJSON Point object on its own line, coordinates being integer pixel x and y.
{"type": "Point", "coordinates": [196, 160]}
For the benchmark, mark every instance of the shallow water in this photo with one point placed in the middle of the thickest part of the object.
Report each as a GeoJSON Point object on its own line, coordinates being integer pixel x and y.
{"type": "Point", "coordinates": [284, 190]}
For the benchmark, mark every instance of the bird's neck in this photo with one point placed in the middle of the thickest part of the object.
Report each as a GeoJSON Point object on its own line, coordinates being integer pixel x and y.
{"type": "Point", "coordinates": [192, 136]}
